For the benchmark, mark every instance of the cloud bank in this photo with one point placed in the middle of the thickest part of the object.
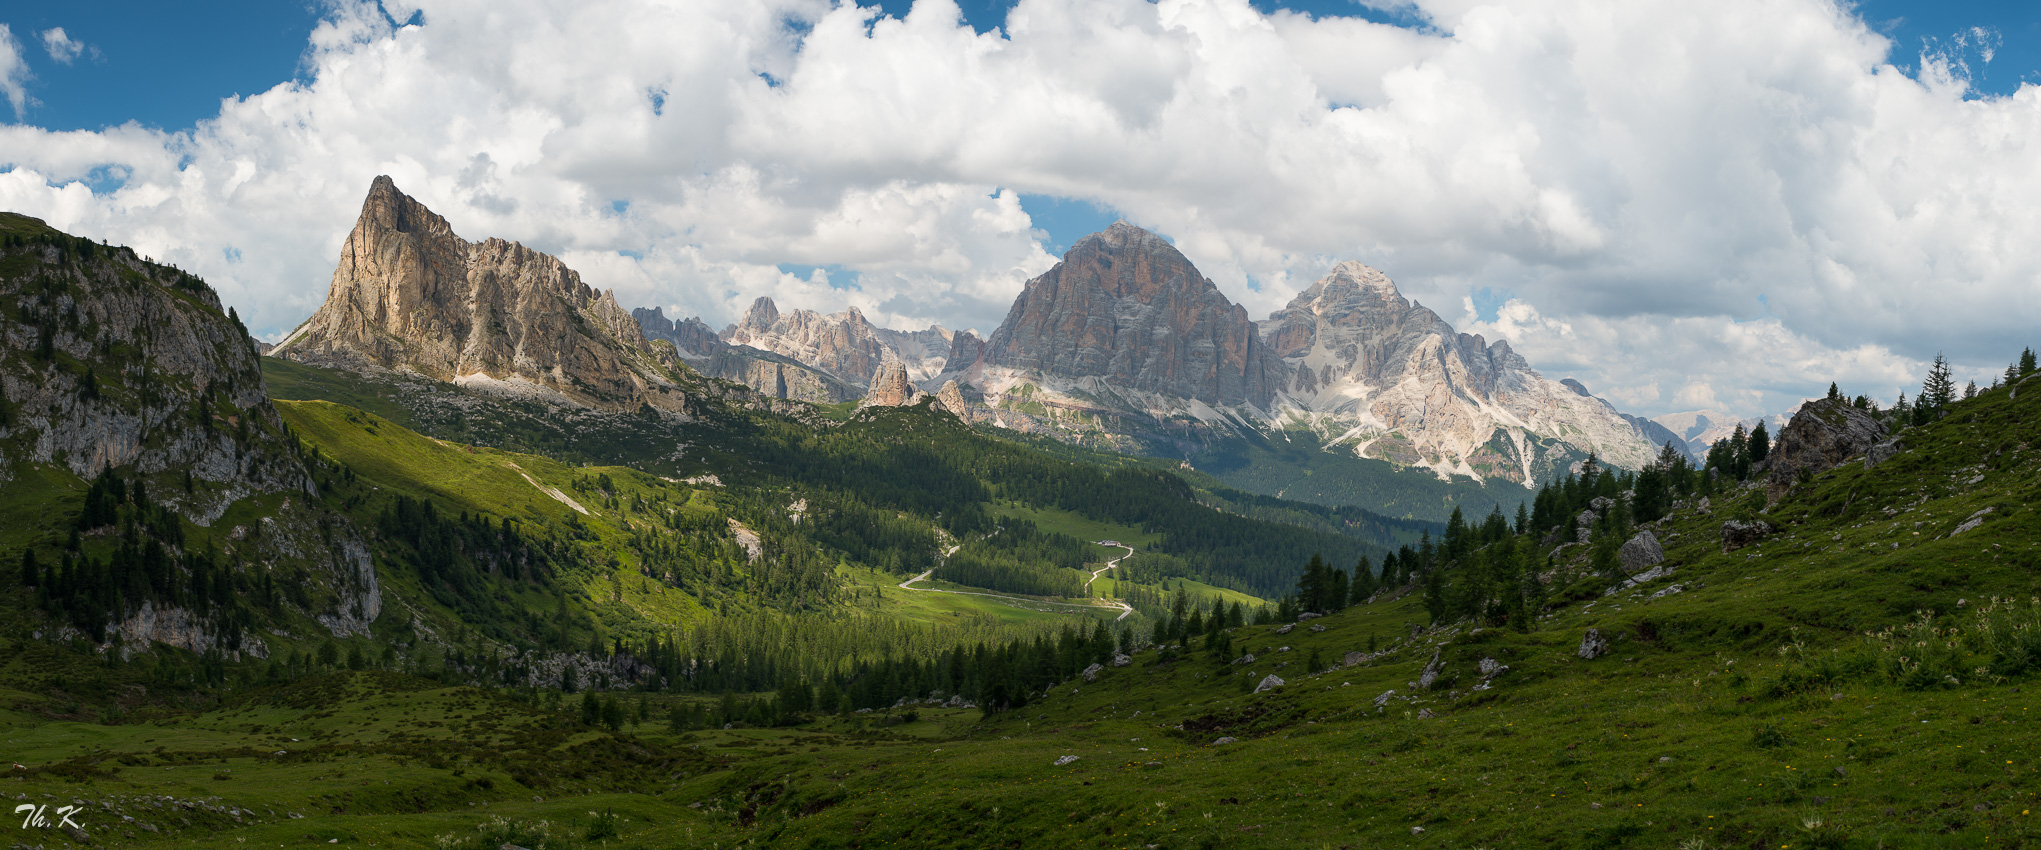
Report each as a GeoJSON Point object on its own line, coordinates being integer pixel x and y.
{"type": "Point", "coordinates": [1681, 204]}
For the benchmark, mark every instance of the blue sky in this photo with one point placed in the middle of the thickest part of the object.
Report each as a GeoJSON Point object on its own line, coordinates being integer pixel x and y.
{"type": "Point", "coordinates": [1683, 203]}
{"type": "Point", "coordinates": [169, 65]}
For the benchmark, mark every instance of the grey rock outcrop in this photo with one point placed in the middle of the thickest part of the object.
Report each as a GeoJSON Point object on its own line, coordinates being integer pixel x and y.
{"type": "Point", "coordinates": [1883, 451]}
{"type": "Point", "coordinates": [890, 387]}
{"type": "Point", "coordinates": [1973, 521]}
{"type": "Point", "coordinates": [1432, 669]}
{"type": "Point", "coordinates": [1593, 645]}
{"type": "Point", "coordinates": [952, 399]}
{"type": "Point", "coordinates": [1641, 552]}
{"type": "Point", "coordinates": [1821, 436]}
{"type": "Point", "coordinates": [1269, 682]}
{"type": "Point", "coordinates": [1091, 673]}
{"type": "Point", "coordinates": [1122, 661]}
{"type": "Point", "coordinates": [1737, 534]}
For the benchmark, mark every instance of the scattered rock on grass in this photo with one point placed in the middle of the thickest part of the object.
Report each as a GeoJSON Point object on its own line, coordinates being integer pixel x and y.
{"type": "Point", "coordinates": [1269, 682]}
{"type": "Point", "coordinates": [1641, 552]}
{"type": "Point", "coordinates": [1065, 760]}
{"type": "Point", "coordinates": [1091, 673]}
{"type": "Point", "coordinates": [1736, 535]}
{"type": "Point", "coordinates": [1229, 739]}
{"type": "Point", "coordinates": [1593, 645]}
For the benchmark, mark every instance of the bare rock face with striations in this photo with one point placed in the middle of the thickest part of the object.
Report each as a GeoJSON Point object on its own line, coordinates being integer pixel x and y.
{"type": "Point", "coordinates": [890, 387]}
{"type": "Point", "coordinates": [1126, 308]}
{"type": "Point", "coordinates": [1370, 369]}
{"type": "Point", "coordinates": [410, 294]}
{"type": "Point", "coordinates": [692, 336]}
{"type": "Point", "coordinates": [846, 344]}
{"type": "Point", "coordinates": [773, 375]}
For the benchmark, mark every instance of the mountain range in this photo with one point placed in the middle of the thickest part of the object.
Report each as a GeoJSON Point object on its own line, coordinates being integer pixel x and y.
{"type": "Point", "coordinates": [1125, 345]}
{"type": "Point", "coordinates": [472, 564]}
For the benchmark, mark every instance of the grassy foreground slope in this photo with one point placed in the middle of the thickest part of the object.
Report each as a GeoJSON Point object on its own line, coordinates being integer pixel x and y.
{"type": "Point", "coordinates": [1861, 678]}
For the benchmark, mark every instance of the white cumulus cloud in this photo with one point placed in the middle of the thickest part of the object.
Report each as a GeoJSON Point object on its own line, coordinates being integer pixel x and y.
{"type": "Point", "coordinates": [63, 47]}
{"type": "Point", "coordinates": [1734, 201]}
{"type": "Point", "coordinates": [14, 73]}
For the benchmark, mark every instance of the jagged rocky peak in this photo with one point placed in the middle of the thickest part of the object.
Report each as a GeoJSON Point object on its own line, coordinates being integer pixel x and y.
{"type": "Point", "coordinates": [692, 337]}
{"type": "Point", "coordinates": [966, 351]}
{"type": "Point", "coordinates": [410, 294]}
{"type": "Point", "coordinates": [1387, 377]}
{"type": "Point", "coordinates": [1125, 308]}
{"type": "Point", "coordinates": [845, 345]}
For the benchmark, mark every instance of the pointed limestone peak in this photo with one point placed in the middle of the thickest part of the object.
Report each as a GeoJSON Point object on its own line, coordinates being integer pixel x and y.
{"type": "Point", "coordinates": [388, 208]}
{"type": "Point", "coordinates": [762, 313]}
{"type": "Point", "coordinates": [1118, 238]}
{"type": "Point", "coordinates": [1364, 276]}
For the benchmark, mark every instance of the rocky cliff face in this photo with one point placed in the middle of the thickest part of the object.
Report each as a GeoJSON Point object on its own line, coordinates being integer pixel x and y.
{"type": "Point", "coordinates": [845, 345]}
{"type": "Point", "coordinates": [1125, 311]}
{"type": "Point", "coordinates": [410, 294]}
{"type": "Point", "coordinates": [691, 336]}
{"type": "Point", "coordinates": [115, 363]}
{"type": "Point", "coordinates": [1821, 435]}
{"type": "Point", "coordinates": [773, 375]}
{"type": "Point", "coordinates": [1124, 345]}
{"type": "Point", "coordinates": [1373, 371]}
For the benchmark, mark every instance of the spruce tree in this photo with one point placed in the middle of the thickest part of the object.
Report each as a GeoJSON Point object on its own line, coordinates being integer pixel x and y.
{"type": "Point", "coordinates": [31, 574]}
{"type": "Point", "coordinates": [1523, 522]}
{"type": "Point", "coordinates": [1834, 393]}
{"type": "Point", "coordinates": [1759, 444]}
{"type": "Point", "coordinates": [1435, 594]}
{"type": "Point", "coordinates": [1939, 390]}
{"type": "Point", "coordinates": [2027, 363]}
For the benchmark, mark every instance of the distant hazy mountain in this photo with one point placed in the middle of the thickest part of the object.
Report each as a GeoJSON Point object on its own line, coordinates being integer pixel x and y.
{"type": "Point", "coordinates": [1701, 428]}
{"type": "Point", "coordinates": [846, 344]}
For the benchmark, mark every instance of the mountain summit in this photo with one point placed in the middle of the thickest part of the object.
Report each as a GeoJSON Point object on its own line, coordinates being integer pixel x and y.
{"type": "Point", "coordinates": [1125, 344]}
{"type": "Point", "coordinates": [408, 294]}
{"type": "Point", "coordinates": [1370, 368]}
{"type": "Point", "coordinates": [1124, 308]}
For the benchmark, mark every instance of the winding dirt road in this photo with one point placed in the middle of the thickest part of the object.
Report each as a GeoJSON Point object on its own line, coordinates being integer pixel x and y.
{"type": "Point", "coordinates": [1110, 604]}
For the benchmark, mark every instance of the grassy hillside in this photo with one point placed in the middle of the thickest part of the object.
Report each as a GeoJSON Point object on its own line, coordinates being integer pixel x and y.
{"type": "Point", "coordinates": [1856, 679]}
{"type": "Point", "coordinates": [1293, 464]}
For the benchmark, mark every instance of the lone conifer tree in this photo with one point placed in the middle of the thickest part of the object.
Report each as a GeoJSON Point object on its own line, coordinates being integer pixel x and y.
{"type": "Point", "coordinates": [2027, 361]}
{"type": "Point", "coordinates": [1759, 444]}
{"type": "Point", "coordinates": [1834, 393]}
{"type": "Point", "coordinates": [1939, 389]}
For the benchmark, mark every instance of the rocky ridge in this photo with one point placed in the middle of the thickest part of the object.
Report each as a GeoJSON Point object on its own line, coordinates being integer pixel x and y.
{"type": "Point", "coordinates": [773, 375]}
{"type": "Point", "coordinates": [125, 365]}
{"type": "Point", "coordinates": [845, 345]}
{"type": "Point", "coordinates": [1124, 345]}
{"type": "Point", "coordinates": [409, 294]}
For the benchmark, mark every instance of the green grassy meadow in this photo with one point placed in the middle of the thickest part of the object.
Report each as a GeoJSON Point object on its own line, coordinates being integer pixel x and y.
{"type": "Point", "coordinates": [1768, 702]}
